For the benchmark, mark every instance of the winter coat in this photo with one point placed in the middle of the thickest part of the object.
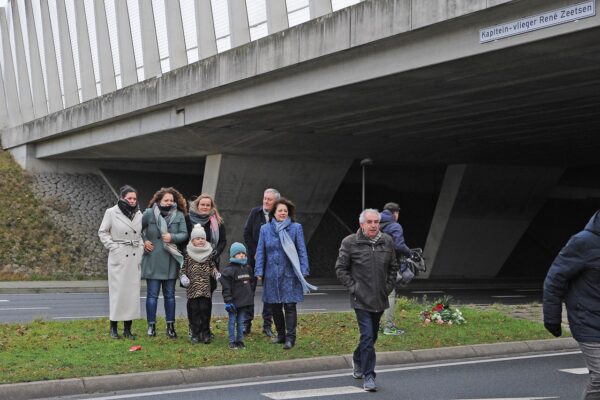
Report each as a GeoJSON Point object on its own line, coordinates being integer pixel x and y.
{"type": "Point", "coordinates": [221, 244]}
{"type": "Point", "coordinates": [280, 283]}
{"type": "Point", "coordinates": [255, 220]}
{"type": "Point", "coordinates": [368, 270]}
{"type": "Point", "coordinates": [159, 264]}
{"type": "Point", "coordinates": [236, 285]}
{"type": "Point", "coordinates": [389, 225]}
{"type": "Point", "coordinates": [574, 278]}
{"type": "Point", "coordinates": [199, 274]}
{"type": "Point", "coordinates": [122, 237]}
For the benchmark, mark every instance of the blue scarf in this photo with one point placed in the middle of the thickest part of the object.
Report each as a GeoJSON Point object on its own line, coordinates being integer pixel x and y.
{"type": "Point", "coordinates": [291, 252]}
{"type": "Point", "coordinates": [162, 223]}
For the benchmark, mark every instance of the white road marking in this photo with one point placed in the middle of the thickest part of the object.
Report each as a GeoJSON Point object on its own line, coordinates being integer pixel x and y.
{"type": "Point", "coordinates": [316, 294]}
{"type": "Point", "coordinates": [427, 291]}
{"type": "Point", "coordinates": [82, 317]}
{"type": "Point", "coordinates": [528, 290]}
{"type": "Point", "coordinates": [302, 394]}
{"type": "Point", "coordinates": [4, 301]}
{"type": "Point", "coordinates": [317, 377]}
{"type": "Point", "coordinates": [577, 371]}
{"type": "Point", "coordinates": [514, 398]}
{"type": "Point", "coordinates": [508, 296]}
{"type": "Point", "coordinates": [24, 308]}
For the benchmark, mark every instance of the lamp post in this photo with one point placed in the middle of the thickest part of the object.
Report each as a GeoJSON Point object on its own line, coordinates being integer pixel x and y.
{"type": "Point", "coordinates": [365, 162]}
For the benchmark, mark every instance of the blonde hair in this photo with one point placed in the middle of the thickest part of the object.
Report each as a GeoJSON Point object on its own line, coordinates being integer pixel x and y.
{"type": "Point", "coordinates": [213, 207]}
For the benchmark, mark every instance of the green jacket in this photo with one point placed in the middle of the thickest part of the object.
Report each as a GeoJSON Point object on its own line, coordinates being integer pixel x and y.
{"type": "Point", "coordinates": [159, 264]}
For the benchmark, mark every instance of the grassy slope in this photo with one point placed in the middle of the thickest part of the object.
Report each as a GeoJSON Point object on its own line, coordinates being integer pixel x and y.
{"type": "Point", "coordinates": [27, 236]}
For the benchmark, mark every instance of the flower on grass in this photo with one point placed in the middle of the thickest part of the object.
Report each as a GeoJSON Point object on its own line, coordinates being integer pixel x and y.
{"type": "Point", "coordinates": [441, 313]}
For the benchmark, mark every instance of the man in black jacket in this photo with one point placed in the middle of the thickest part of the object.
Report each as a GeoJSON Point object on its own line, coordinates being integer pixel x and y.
{"type": "Point", "coordinates": [259, 216]}
{"type": "Point", "coordinates": [573, 278]}
{"type": "Point", "coordinates": [367, 266]}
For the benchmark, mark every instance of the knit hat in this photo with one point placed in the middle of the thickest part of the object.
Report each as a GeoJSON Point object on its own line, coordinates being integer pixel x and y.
{"type": "Point", "coordinates": [198, 231]}
{"type": "Point", "coordinates": [235, 248]}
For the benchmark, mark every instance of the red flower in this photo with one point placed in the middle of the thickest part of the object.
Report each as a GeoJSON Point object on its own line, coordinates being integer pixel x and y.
{"type": "Point", "coordinates": [438, 307]}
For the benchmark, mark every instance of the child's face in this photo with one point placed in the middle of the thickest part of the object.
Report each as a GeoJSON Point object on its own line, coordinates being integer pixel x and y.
{"type": "Point", "coordinates": [198, 241]}
{"type": "Point", "coordinates": [240, 256]}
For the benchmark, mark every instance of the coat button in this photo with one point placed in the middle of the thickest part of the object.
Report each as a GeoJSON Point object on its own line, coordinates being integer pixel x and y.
{"type": "Point", "coordinates": [126, 233]}
{"type": "Point", "coordinates": [134, 231]}
{"type": "Point", "coordinates": [134, 254]}
{"type": "Point", "coordinates": [126, 255]}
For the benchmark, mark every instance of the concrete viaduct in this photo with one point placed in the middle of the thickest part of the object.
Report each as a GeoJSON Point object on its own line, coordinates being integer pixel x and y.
{"type": "Point", "coordinates": [489, 109]}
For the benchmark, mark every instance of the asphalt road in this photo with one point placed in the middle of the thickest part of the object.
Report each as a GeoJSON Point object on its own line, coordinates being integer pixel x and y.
{"type": "Point", "coordinates": [65, 306]}
{"type": "Point", "coordinates": [527, 377]}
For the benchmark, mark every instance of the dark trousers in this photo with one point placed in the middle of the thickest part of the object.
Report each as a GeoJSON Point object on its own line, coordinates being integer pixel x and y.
{"type": "Point", "coordinates": [266, 312]}
{"type": "Point", "coordinates": [364, 355]}
{"type": "Point", "coordinates": [198, 311]}
{"type": "Point", "coordinates": [285, 324]}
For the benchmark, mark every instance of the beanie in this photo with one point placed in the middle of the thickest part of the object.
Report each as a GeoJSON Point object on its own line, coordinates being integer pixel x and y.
{"type": "Point", "coordinates": [237, 247]}
{"type": "Point", "coordinates": [198, 231]}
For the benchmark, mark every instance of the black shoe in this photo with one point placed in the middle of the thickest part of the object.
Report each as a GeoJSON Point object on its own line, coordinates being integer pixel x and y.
{"type": "Point", "coordinates": [277, 340]}
{"type": "Point", "coordinates": [127, 331]}
{"type": "Point", "coordinates": [171, 334]}
{"type": "Point", "coordinates": [268, 332]}
{"type": "Point", "coordinates": [194, 340]}
{"type": "Point", "coordinates": [113, 330]}
{"type": "Point", "coordinates": [151, 329]}
{"type": "Point", "coordinates": [288, 345]}
{"type": "Point", "coordinates": [232, 346]}
{"type": "Point", "coordinates": [240, 345]}
{"type": "Point", "coordinates": [206, 338]}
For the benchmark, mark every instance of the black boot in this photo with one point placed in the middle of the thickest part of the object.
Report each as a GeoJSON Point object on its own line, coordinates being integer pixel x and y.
{"type": "Point", "coordinates": [127, 331]}
{"type": "Point", "coordinates": [113, 330]}
{"type": "Point", "coordinates": [291, 320]}
{"type": "Point", "coordinates": [279, 323]}
{"type": "Point", "coordinates": [171, 334]}
{"type": "Point", "coordinates": [151, 329]}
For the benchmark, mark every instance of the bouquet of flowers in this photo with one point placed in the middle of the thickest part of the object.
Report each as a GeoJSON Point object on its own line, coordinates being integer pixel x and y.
{"type": "Point", "coordinates": [441, 313]}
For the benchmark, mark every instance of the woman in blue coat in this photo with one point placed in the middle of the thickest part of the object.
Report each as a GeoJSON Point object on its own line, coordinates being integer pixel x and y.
{"type": "Point", "coordinates": [282, 265]}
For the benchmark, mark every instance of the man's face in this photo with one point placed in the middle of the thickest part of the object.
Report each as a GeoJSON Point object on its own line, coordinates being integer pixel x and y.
{"type": "Point", "coordinates": [396, 214]}
{"type": "Point", "coordinates": [371, 225]}
{"type": "Point", "coordinates": [268, 201]}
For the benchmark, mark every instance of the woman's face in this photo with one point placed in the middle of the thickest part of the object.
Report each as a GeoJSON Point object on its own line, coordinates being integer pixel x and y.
{"type": "Point", "coordinates": [131, 198]}
{"type": "Point", "coordinates": [204, 206]}
{"type": "Point", "coordinates": [199, 241]}
{"type": "Point", "coordinates": [168, 200]}
{"type": "Point", "coordinates": [281, 212]}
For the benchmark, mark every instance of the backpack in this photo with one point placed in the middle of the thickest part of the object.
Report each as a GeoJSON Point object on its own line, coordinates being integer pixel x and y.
{"type": "Point", "coordinates": [410, 267]}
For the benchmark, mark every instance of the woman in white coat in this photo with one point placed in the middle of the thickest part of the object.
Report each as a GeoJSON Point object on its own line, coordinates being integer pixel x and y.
{"type": "Point", "coordinates": [120, 233]}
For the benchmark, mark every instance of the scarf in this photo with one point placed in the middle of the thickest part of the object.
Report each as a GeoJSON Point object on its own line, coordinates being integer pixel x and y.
{"type": "Point", "coordinates": [290, 250]}
{"type": "Point", "coordinates": [163, 223]}
{"type": "Point", "coordinates": [127, 209]}
{"type": "Point", "coordinates": [199, 254]}
{"type": "Point", "coordinates": [202, 219]}
{"type": "Point", "coordinates": [241, 261]}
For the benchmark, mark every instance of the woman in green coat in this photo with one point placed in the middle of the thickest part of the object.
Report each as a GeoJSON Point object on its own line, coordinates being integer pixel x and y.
{"type": "Point", "coordinates": [163, 228]}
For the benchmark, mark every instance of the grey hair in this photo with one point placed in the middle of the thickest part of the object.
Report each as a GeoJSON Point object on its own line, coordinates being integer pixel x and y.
{"type": "Point", "coordinates": [273, 191]}
{"type": "Point", "coordinates": [361, 218]}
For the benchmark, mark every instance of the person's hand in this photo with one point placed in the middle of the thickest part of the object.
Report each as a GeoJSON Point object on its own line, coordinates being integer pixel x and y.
{"type": "Point", "coordinates": [148, 246]}
{"type": "Point", "coordinates": [166, 237]}
{"type": "Point", "coordinates": [185, 281]}
{"type": "Point", "coordinates": [230, 307]}
{"type": "Point", "coordinates": [554, 329]}
{"type": "Point", "coordinates": [258, 277]}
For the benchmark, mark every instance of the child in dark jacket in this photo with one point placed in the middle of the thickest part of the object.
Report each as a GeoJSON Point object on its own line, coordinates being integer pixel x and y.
{"type": "Point", "coordinates": [237, 293]}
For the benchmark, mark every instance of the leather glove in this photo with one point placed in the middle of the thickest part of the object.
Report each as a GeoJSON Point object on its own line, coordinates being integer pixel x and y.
{"type": "Point", "coordinates": [230, 307]}
{"type": "Point", "coordinates": [185, 281]}
{"type": "Point", "coordinates": [554, 329]}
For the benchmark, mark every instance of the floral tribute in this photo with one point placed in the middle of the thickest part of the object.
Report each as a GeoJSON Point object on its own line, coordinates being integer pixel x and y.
{"type": "Point", "coordinates": [440, 313]}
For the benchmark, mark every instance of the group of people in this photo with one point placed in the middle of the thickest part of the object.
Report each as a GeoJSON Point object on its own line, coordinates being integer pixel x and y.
{"type": "Point", "coordinates": [167, 242]}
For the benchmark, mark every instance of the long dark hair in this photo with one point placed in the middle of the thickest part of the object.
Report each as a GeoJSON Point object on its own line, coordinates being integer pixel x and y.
{"type": "Point", "coordinates": [178, 197]}
{"type": "Point", "coordinates": [290, 206]}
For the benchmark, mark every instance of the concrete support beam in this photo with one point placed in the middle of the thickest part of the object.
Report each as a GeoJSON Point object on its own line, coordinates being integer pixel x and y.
{"type": "Point", "coordinates": [482, 212]}
{"type": "Point", "coordinates": [25, 98]}
{"type": "Point", "coordinates": [86, 72]}
{"type": "Point", "coordinates": [239, 28]}
{"type": "Point", "coordinates": [238, 182]}
{"type": "Point", "coordinates": [205, 29]}
{"type": "Point", "coordinates": [3, 105]}
{"type": "Point", "coordinates": [175, 36]}
{"type": "Point", "coordinates": [149, 41]}
{"type": "Point", "coordinates": [10, 79]}
{"type": "Point", "coordinates": [318, 8]}
{"type": "Point", "coordinates": [54, 94]}
{"type": "Point", "coordinates": [70, 89]}
{"type": "Point", "coordinates": [277, 17]}
{"type": "Point", "coordinates": [126, 51]}
{"type": "Point", "coordinates": [40, 105]}
{"type": "Point", "coordinates": [108, 82]}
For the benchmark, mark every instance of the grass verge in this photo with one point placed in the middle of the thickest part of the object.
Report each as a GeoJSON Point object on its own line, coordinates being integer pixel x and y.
{"type": "Point", "coordinates": [44, 350]}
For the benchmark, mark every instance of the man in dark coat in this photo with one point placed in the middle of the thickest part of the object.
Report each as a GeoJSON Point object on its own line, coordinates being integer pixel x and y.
{"type": "Point", "coordinates": [367, 266]}
{"type": "Point", "coordinates": [574, 278]}
{"type": "Point", "coordinates": [259, 216]}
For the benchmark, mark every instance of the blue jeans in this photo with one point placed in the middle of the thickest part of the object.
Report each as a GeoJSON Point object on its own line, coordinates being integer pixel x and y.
{"type": "Point", "coordinates": [168, 289]}
{"type": "Point", "coordinates": [364, 355]}
{"type": "Point", "coordinates": [591, 354]}
{"type": "Point", "coordinates": [236, 324]}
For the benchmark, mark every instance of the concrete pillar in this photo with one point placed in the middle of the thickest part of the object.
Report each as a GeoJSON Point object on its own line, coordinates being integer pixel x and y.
{"type": "Point", "coordinates": [238, 23]}
{"type": "Point", "coordinates": [108, 82]}
{"type": "Point", "coordinates": [175, 36]}
{"type": "Point", "coordinates": [277, 17]}
{"type": "Point", "coordinates": [205, 29]}
{"type": "Point", "coordinates": [25, 98]}
{"type": "Point", "coordinates": [40, 105]}
{"type": "Point", "coordinates": [86, 70]}
{"type": "Point", "coordinates": [52, 78]}
{"type": "Point", "coordinates": [3, 105]}
{"type": "Point", "coordinates": [10, 78]}
{"type": "Point", "coordinates": [482, 212]}
{"type": "Point", "coordinates": [238, 183]}
{"type": "Point", "coordinates": [126, 52]}
{"type": "Point", "coordinates": [149, 41]}
{"type": "Point", "coordinates": [318, 8]}
{"type": "Point", "coordinates": [70, 90]}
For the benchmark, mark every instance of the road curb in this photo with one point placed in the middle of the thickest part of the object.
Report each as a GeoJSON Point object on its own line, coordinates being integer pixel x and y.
{"type": "Point", "coordinates": [111, 383]}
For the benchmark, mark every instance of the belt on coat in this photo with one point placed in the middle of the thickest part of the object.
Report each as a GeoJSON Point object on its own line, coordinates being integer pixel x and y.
{"type": "Point", "coordinates": [135, 243]}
